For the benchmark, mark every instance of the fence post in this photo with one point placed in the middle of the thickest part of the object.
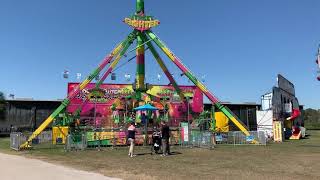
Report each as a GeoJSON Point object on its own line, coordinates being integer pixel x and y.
{"type": "Point", "coordinates": [234, 138]}
{"type": "Point", "coordinates": [114, 138]}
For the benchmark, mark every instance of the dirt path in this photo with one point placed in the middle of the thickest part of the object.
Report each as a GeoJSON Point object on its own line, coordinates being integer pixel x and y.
{"type": "Point", "coordinates": [18, 168]}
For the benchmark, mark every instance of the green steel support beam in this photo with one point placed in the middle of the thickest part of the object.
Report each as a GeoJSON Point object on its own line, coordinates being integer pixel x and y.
{"type": "Point", "coordinates": [140, 74]}
{"type": "Point", "coordinates": [200, 85]}
{"type": "Point", "coordinates": [163, 67]}
{"type": "Point", "coordinates": [71, 95]}
{"type": "Point", "coordinates": [140, 6]}
{"type": "Point", "coordinates": [126, 44]}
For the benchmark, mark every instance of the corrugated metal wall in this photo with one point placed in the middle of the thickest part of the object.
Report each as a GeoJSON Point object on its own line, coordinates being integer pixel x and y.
{"type": "Point", "coordinates": [247, 114]}
{"type": "Point", "coordinates": [26, 115]}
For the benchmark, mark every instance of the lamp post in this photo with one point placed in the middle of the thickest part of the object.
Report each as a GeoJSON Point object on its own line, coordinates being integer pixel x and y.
{"type": "Point", "coordinates": [95, 112]}
{"type": "Point", "coordinates": [188, 119]}
{"type": "Point", "coordinates": [188, 122]}
{"type": "Point", "coordinates": [126, 107]}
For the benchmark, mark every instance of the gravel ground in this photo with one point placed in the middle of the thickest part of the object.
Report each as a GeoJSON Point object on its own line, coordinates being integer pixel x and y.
{"type": "Point", "coordinates": [18, 167]}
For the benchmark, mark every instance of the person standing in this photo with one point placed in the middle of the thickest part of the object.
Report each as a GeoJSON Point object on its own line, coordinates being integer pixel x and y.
{"type": "Point", "coordinates": [131, 138]}
{"type": "Point", "coordinates": [165, 132]}
{"type": "Point", "coordinates": [144, 119]}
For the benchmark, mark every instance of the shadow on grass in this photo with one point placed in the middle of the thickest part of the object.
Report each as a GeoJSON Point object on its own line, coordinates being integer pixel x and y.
{"type": "Point", "coordinates": [175, 153]}
{"type": "Point", "coordinates": [310, 145]}
{"type": "Point", "coordinates": [171, 154]}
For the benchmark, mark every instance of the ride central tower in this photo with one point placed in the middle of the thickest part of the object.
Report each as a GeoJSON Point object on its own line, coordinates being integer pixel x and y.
{"type": "Point", "coordinates": [140, 22]}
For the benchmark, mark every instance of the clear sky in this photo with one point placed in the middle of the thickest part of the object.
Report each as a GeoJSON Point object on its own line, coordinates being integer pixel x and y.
{"type": "Point", "coordinates": [239, 45]}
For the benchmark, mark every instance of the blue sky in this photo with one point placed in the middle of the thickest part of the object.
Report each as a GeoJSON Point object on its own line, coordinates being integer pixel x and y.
{"type": "Point", "coordinates": [240, 46]}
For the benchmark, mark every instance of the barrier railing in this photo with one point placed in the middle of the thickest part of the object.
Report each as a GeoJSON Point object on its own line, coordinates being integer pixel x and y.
{"type": "Point", "coordinates": [202, 139]}
{"type": "Point", "coordinates": [197, 138]}
{"type": "Point", "coordinates": [76, 142]}
{"type": "Point", "coordinates": [44, 137]}
{"type": "Point", "coordinates": [117, 137]}
{"type": "Point", "coordinates": [238, 138]}
{"type": "Point", "coordinates": [18, 138]}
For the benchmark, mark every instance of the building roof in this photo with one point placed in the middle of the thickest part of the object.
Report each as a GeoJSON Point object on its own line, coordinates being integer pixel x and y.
{"type": "Point", "coordinates": [32, 100]}
{"type": "Point", "coordinates": [231, 103]}
{"type": "Point", "coordinates": [60, 100]}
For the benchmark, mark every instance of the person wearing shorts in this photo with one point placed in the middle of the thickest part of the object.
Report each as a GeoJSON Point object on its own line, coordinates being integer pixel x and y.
{"type": "Point", "coordinates": [131, 138]}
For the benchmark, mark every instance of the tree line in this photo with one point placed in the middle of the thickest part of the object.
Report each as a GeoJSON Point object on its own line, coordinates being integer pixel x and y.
{"type": "Point", "coordinates": [311, 118]}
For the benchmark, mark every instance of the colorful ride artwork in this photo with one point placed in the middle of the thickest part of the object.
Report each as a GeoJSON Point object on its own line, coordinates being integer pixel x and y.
{"type": "Point", "coordinates": [145, 39]}
{"type": "Point", "coordinates": [98, 112]}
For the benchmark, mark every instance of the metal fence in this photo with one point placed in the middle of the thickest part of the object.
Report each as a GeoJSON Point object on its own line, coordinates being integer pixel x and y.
{"type": "Point", "coordinates": [202, 139]}
{"type": "Point", "coordinates": [18, 138]}
{"type": "Point", "coordinates": [198, 138]}
{"type": "Point", "coordinates": [44, 137]}
{"type": "Point", "coordinates": [238, 138]}
{"type": "Point", "coordinates": [76, 142]}
{"type": "Point", "coordinates": [111, 137]}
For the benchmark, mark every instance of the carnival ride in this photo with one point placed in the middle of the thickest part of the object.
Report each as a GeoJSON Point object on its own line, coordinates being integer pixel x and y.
{"type": "Point", "coordinates": [145, 38]}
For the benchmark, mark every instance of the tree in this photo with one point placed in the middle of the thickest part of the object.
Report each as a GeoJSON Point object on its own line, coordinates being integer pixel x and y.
{"type": "Point", "coordinates": [312, 118]}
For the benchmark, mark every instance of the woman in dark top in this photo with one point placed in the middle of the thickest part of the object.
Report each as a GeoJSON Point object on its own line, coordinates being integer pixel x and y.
{"type": "Point", "coordinates": [131, 138]}
{"type": "Point", "coordinates": [165, 131]}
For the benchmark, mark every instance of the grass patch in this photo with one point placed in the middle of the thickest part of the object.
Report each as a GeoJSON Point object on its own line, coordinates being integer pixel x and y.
{"type": "Point", "coordinates": [288, 160]}
{"type": "Point", "coordinates": [313, 126]}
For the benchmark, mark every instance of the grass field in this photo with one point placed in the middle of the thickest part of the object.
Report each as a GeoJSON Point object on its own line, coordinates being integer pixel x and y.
{"type": "Point", "coordinates": [289, 160]}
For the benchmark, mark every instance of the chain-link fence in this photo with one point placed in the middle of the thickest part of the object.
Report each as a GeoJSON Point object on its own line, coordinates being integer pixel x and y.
{"type": "Point", "coordinates": [238, 138]}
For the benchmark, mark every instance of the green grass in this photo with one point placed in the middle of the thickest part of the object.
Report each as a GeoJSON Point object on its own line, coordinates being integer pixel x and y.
{"type": "Point", "coordinates": [289, 160]}
{"type": "Point", "coordinates": [314, 126]}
